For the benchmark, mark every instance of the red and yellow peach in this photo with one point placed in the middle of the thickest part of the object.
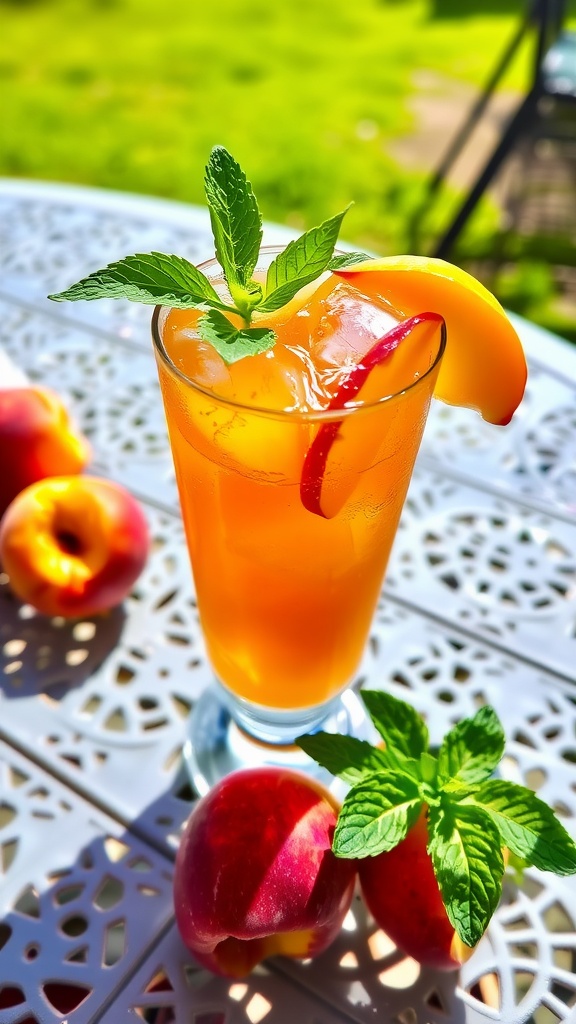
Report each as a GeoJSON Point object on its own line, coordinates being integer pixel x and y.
{"type": "Point", "coordinates": [401, 892]}
{"type": "Point", "coordinates": [37, 440]}
{"type": "Point", "coordinates": [73, 545]}
{"type": "Point", "coordinates": [255, 873]}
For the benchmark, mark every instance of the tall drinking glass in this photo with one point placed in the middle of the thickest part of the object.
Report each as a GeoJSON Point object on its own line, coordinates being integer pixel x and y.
{"type": "Point", "coordinates": [285, 596]}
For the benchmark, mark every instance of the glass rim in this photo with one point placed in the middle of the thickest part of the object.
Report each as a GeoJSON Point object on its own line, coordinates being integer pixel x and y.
{"type": "Point", "coordinates": [303, 416]}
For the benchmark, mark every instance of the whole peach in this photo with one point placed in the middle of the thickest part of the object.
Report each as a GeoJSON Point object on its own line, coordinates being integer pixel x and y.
{"type": "Point", "coordinates": [73, 545]}
{"type": "Point", "coordinates": [401, 892]}
{"type": "Point", "coordinates": [255, 873]}
{"type": "Point", "coordinates": [36, 440]}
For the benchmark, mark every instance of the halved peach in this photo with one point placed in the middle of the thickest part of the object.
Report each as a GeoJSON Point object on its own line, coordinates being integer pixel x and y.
{"type": "Point", "coordinates": [73, 545]}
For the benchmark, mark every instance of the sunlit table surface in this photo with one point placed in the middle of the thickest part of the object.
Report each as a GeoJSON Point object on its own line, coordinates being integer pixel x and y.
{"type": "Point", "coordinates": [479, 607]}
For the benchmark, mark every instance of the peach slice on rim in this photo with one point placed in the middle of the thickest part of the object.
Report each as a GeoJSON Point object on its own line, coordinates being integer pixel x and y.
{"type": "Point", "coordinates": [322, 493]}
{"type": "Point", "coordinates": [484, 366]}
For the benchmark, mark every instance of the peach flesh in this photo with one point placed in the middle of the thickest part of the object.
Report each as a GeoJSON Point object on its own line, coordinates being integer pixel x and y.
{"type": "Point", "coordinates": [484, 366]}
{"type": "Point", "coordinates": [73, 545]}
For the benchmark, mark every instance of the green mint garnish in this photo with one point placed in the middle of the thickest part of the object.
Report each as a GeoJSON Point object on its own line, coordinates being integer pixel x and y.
{"type": "Point", "coordinates": [300, 263]}
{"type": "Point", "coordinates": [350, 759]}
{"type": "Point", "coordinates": [528, 826]}
{"type": "Point", "coordinates": [401, 727]}
{"type": "Point", "coordinates": [378, 818]}
{"type": "Point", "coordinates": [153, 278]}
{"type": "Point", "coordinates": [465, 848]}
{"type": "Point", "coordinates": [233, 344]}
{"type": "Point", "coordinates": [473, 749]}
{"type": "Point", "coordinates": [470, 816]}
{"type": "Point", "coordinates": [159, 279]}
{"type": "Point", "coordinates": [236, 223]}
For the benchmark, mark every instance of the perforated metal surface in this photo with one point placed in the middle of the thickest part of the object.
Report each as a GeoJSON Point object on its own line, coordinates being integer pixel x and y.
{"type": "Point", "coordinates": [82, 899]}
{"type": "Point", "coordinates": [479, 607]}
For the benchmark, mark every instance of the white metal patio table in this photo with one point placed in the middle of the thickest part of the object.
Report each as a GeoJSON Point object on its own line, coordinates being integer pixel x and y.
{"type": "Point", "coordinates": [479, 607]}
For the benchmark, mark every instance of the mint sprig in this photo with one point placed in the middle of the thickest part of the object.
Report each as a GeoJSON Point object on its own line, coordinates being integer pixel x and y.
{"type": "Point", "coordinates": [350, 759]}
{"type": "Point", "coordinates": [473, 749]}
{"type": "Point", "coordinates": [528, 826]}
{"type": "Point", "coordinates": [348, 259]}
{"type": "Point", "coordinates": [403, 730]}
{"type": "Point", "coordinates": [160, 279]}
{"type": "Point", "coordinates": [470, 815]}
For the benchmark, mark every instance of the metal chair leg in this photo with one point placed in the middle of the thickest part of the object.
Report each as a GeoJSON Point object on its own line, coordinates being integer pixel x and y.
{"type": "Point", "coordinates": [479, 107]}
{"type": "Point", "coordinates": [522, 118]}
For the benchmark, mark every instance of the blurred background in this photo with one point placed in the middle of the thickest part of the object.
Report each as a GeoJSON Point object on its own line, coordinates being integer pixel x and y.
{"type": "Point", "coordinates": [323, 102]}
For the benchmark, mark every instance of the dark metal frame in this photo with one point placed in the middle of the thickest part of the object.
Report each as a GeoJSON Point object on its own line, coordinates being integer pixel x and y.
{"type": "Point", "coordinates": [546, 17]}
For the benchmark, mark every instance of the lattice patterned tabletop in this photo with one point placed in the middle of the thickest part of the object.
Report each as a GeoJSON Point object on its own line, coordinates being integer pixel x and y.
{"type": "Point", "coordinates": [479, 607]}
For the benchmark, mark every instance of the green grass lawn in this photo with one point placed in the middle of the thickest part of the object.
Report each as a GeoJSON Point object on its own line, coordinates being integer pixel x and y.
{"type": "Point", "coordinates": [132, 94]}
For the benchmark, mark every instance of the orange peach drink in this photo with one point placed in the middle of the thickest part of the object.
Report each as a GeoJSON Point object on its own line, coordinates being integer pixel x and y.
{"type": "Point", "coordinates": [286, 592]}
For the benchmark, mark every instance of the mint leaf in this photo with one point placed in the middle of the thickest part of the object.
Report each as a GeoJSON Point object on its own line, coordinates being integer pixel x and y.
{"type": "Point", "coordinates": [348, 259]}
{"type": "Point", "coordinates": [301, 262]}
{"type": "Point", "coordinates": [345, 756]}
{"type": "Point", "coordinates": [464, 845]}
{"type": "Point", "coordinates": [376, 815]}
{"type": "Point", "coordinates": [230, 343]}
{"type": "Point", "coordinates": [527, 826]}
{"type": "Point", "coordinates": [428, 768]}
{"type": "Point", "coordinates": [472, 749]}
{"type": "Point", "coordinates": [152, 278]}
{"type": "Point", "coordinates": [399, 724]}
{"type": "Point", "coordinates": [515, 868]}
{"type": "Point", "coordinates": [235, 218]}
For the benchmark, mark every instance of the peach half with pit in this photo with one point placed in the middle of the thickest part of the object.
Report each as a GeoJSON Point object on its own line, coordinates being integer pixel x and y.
{"type": "Point", "coordinates": [37, 440]}
{"type": "Point", "coordinates": [73, 545]}
{"type": "Point", "coordinates": [255, 873]}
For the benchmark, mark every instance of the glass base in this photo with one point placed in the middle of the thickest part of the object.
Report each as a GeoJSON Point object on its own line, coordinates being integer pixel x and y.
{"type": "Point", "coordinates": [216, 745]}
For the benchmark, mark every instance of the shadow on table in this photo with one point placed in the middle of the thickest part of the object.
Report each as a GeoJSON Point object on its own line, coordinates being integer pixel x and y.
{"type": "Point", "coordinates": [104, 915]}
{"type": "Point", "coordinates": [50, 655]}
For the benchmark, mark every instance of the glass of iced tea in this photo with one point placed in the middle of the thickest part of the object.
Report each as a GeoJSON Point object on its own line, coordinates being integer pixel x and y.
{"type": "Point", "coordinates": [291, 486]}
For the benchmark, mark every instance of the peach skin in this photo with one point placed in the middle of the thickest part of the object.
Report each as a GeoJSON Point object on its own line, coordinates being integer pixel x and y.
{"type": "Point", "coordinates": [37, 440]}
{"type": "Point", "coordinates": [73, 545]}
{"type": "Point", "coordinates": [401, 892]}
{"type": "Point", "coordinates": [255, 874]}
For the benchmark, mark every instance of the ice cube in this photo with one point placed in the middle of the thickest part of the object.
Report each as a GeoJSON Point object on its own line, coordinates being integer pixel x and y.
{"type": "Point", "coordinates": [199, 361]}
{"type": "Point", "coordinates": [281, 379]}
{"type": "Point", "coordinates": [347, 328]}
